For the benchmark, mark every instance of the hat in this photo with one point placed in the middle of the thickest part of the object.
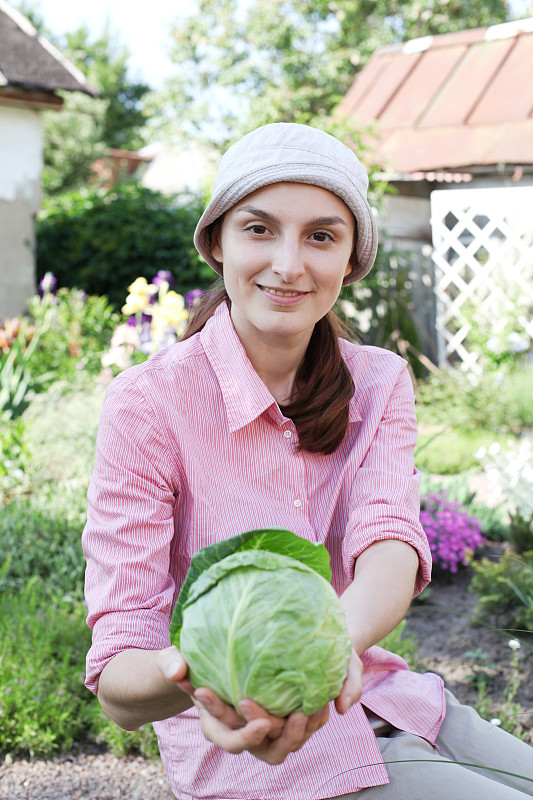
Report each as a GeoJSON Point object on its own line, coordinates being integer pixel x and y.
{"type": "Point", "coordinates": [287, 151]}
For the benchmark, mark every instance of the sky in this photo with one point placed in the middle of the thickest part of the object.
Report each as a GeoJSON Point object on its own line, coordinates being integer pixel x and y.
{"type": "Point", "coordinates": [141, 27]}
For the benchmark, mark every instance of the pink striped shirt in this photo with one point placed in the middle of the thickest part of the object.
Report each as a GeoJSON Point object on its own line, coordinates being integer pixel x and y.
{"type": "Point", "coordinates": [192, 448]}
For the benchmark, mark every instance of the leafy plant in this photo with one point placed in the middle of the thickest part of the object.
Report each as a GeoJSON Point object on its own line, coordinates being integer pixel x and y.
{"type": "Point", "coordinates": [73, 329]}
{"type": "Point", "coordinates": [467, 401]}
{"type": "Point", "coordinates": [43, 702]}
{"type": "Point", "coordinates": [383, 312]}
{"type": "Point", "coordinates": [452, 532]}
{"type": "Point", "coordinates": [401, 643]}
{"type": "Point", "coordinates": [18, 382]}
{"type": "Point", "coordinates": [482, 669]}
{"type": "Point", "coordinates": [13, 459]}
{"type": "Point", "coordinates": [521, 532]}
{"type": "Point", "coordinates": [258, 618]}
{"type": "Point", "coordinates": [505, 588]}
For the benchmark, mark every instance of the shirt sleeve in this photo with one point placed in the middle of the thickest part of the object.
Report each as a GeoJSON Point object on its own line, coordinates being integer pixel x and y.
{"type": "Point", "coordinates": [130, 526]}
{"type": "Point", "coordinates": [384, 499]}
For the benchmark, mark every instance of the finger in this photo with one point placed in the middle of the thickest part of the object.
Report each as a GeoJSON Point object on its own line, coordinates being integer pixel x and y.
{"type": "Point", "coordinates": [172, 664]}
{"type": "Point", "coordinates": [217, 708]}
{"type": "Point", "coordinates": [316, 720]}
{"type": "Point", "coordinates": [352, 687]}
{"type": "Point", "coordinates": [250, 737]}
{"type": "Point", "coordinates": [291, 739]}
{"type": "Point", "coordinates": [251, 710]}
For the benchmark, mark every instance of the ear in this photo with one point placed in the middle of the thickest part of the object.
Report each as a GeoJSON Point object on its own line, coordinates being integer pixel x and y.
{"type": "Point", "coordinates": [216, 243]}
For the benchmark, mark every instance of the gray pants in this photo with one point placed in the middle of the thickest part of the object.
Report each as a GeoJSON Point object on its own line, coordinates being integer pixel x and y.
{"type": "Point", "coordinates": [463, 737]}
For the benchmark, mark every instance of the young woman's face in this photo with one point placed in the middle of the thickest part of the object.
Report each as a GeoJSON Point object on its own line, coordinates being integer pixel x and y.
{"type": "Point", "coordinates": [285, 250]}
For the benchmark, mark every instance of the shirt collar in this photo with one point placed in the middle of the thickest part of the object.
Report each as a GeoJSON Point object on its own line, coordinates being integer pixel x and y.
{"type": "Point", "coordinates": [245, 395]}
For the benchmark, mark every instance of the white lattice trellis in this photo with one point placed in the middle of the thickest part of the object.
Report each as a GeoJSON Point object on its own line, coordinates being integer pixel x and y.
{"type": "Point", "coordinates": [483, 254]}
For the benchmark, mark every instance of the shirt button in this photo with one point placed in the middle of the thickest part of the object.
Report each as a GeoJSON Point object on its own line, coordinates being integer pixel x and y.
{"type": "Point", "coordinates": [287, 434]}
{"type": "Point", "coordinates": [297, 503]}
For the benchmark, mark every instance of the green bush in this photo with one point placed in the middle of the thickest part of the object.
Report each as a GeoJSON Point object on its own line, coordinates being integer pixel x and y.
{"type": "Point", "coordinates": [43, 701]}
{"type": "Point", "coordinates": [43, 540]}
{"type": "Point", "coordinates": [381, 309]}
{"type": "Point", "coordinates": [521, 532]}
{"type": "Point", "coordinates": [72, 330]}
{"type": "Point", "coordinates": [468, 402]}
{"type": "Point", "coordinates": [101, 241]}
{"type": "Point", "coordinates": [45, 708]}
{"type": "Point", "coordinates": [505, 587]}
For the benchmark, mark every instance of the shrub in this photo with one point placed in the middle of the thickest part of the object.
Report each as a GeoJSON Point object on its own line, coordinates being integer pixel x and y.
{"type": "Point", "coordinates": [45, 708]}
{"type": "Point", "coordinates": [505, 587]}
{"type": "Point", "coordinates": [101, 241]}
{"type": "Point", "coordinates": [43, 702]}
{"type": "Point", "coordinates": [13, 459]}
{"type": "Point", "coordinates": [470, 401]}
{"type": "Point", "coordinates": [73, 330]}
{"type": "Point", "coordinates": [452, 532]}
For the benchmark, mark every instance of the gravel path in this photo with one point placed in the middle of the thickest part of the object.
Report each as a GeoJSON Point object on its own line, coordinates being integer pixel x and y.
{"type": "Point", "coordinates": [98, 777]}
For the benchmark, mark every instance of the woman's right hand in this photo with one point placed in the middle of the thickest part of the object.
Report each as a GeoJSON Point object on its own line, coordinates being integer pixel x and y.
{"type": "Point", "coordinates": [265, 736]}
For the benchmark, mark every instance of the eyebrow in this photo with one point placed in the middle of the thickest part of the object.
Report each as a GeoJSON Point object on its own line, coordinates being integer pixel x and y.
{"type": "Point", "coordinates": [312, 223]}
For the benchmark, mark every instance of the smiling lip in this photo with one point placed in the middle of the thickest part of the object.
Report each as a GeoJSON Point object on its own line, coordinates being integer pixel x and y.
{"type": "Point", "coordinates": [282, 296]}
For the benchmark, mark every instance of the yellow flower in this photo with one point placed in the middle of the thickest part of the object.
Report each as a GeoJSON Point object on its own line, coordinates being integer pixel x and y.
{"type": "Point", "coordinates": [172, 309]}
{"type": "Point", "coordinates": [138, 299]}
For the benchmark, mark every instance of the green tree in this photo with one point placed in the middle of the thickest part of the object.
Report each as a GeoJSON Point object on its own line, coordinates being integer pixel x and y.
{"type": "Point", "coordinates": [105, 63]}
{"type": "Point", "coordinates": [86, 127]}
{"type": "Point", "coordinates": [241, 65]}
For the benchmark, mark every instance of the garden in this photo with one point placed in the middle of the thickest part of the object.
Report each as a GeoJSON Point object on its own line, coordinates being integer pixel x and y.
{"type": "Point", "coordinates": [473, 625]}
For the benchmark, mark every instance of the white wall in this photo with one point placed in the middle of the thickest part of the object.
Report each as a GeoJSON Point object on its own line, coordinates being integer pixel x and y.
{"type": "Point", "coordinates": [21, 146]}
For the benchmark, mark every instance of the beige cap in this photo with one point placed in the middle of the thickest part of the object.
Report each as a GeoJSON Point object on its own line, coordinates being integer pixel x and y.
{"type": "Point", "coordinates": [287, 151]}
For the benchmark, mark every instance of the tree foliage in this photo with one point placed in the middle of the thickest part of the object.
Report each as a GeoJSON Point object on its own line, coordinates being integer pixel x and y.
{"type": "Point", "coordinates": [86, 127]}
{"type": "Point", "coordinates": [101, 241]}
{"type": "Point", "coordinates": [242, 65]}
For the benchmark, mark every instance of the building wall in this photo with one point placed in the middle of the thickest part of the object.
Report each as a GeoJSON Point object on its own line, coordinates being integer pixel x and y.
{"type": "Point", "coordinates": [21, 146]}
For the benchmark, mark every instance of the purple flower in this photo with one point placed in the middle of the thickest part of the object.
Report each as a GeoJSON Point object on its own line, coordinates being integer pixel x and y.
{"type": "Point", "coordinates": [47, 284]}
{"type": "Point", "coordinates": [451, 531]}
{"type": "Point", "coordinates": [192, 296]}
{"type": "Point", "coordinates": [163, 276]}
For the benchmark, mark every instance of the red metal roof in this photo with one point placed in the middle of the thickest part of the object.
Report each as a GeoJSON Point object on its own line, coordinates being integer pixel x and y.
{"type": "Point", "coordinates": [455, 100]}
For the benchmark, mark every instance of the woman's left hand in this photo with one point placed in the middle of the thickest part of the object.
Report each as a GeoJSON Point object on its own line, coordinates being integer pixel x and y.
{"type": "Point", "coordinates": [353, 685]}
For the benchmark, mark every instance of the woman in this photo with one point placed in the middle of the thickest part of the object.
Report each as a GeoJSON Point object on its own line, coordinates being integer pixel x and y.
{"type": "Point", "coordinates": [262, 416]}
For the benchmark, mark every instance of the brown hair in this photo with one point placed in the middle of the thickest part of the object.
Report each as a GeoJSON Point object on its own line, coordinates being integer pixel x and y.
{"type": "Point", "coordinates": [323, 383]}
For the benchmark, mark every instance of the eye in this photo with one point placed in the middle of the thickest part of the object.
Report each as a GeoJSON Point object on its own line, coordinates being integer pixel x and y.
{"type": "Point", "coordinates": [259, 230]}
{"type": "Point", "coordinates": [322, 236]}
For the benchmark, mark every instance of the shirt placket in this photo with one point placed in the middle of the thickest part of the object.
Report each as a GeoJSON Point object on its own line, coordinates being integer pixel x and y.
{"type": "Point", "coordinates": [298, 499]}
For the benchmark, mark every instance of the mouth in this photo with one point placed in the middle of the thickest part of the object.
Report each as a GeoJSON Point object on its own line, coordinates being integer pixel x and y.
{"type": "Point", "coordinates": [281, 292]}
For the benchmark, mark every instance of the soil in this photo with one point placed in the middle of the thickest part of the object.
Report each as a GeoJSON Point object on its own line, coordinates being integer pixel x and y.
{"type": "Point", "coordinates": [443, 623]}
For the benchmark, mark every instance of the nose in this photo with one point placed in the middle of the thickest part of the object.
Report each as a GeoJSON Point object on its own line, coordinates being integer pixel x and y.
{"type": "Point", "coordinates": [287, 259]}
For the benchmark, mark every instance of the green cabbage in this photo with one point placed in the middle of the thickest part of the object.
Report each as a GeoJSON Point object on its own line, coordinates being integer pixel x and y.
{"type": "Point", "coordinates": [263, 624]}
